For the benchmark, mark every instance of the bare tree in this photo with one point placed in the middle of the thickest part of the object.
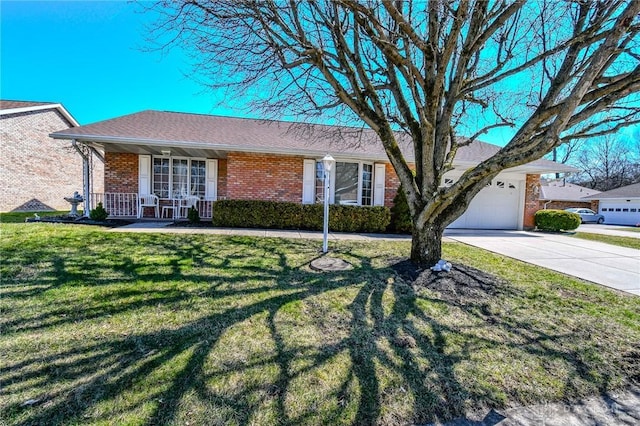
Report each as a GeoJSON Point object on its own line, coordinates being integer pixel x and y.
{"type": "Point", "coordinates": [607, 163]}
{"type": "Point", "coordinates": [566, 152]}
{"type": "Point", "coordinates": [441, 72]}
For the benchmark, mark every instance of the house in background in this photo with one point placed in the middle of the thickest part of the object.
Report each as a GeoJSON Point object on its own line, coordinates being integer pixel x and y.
{"type": "Point", "coordinates": [37, 172]}
{"type": "Point", "coordinates": [174, 155]}
{"type": "Point", "coordinates": [620, 206]}
{"type": "Point", "coordinates": [558, 194]}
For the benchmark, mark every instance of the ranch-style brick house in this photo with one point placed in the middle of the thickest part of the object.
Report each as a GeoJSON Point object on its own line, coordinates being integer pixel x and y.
{"type": "Point", "coordinates": [173, 154]}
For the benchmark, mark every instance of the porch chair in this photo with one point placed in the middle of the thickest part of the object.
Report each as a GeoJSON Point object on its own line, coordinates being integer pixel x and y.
{"type": "Point", "coordinates": [148, 200]}
{"type": "Point", "coordinates": [187, 203]}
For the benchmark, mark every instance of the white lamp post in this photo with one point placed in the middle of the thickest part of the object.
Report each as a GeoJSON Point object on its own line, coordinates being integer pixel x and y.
{"type": "Point", "coordinates": [327, 165]}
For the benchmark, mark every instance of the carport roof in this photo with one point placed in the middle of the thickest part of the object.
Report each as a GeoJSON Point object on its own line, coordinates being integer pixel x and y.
{"type": "Point", "coordinates": [162, 129]}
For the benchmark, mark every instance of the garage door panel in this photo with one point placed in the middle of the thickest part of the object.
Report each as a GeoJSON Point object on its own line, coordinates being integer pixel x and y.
{"type": "Point", "coordinates": [495, 207]}
{"type": "Point", "coordinates": [620, 212]}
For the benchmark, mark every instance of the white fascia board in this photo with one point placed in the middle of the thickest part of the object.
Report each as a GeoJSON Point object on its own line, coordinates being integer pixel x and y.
{"type": "Point", "coordinates": [524, 168]}
{"type": "Point", "coordinates": [59, 107]}
{"type": "Point", "coordinates": [612, 199]}
{"type": "Point", "coordinates": [212, 146]}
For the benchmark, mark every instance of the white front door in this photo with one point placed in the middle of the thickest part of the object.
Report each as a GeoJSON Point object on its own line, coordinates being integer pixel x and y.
{"type": "Point", "coordinates": [495, 207]}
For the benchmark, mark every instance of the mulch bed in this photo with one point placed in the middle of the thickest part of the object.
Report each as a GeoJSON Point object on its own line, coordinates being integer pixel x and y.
{"type": "Point", "coordinates": [463, 284]}
{"type": "Point", "coordinates": [110, 223]}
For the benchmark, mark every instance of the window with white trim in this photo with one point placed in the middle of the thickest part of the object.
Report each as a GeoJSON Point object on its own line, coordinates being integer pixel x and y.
{"type": "Point", "coordinates": [179, 177]}
{"type": "Point", "coordinates": [352, 183]}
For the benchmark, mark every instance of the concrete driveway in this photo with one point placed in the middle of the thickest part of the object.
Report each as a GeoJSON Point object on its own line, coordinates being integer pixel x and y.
{"type": "Point", "coordinates": [609, 265]}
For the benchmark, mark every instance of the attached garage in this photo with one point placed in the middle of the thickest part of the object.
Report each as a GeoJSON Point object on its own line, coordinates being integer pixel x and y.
{"type": "Point", "coordinates": [498, 206]}
{"type": "Point", "coordinates": [620, 212]}
{"type": "Point", "coordinates": [620, 206]}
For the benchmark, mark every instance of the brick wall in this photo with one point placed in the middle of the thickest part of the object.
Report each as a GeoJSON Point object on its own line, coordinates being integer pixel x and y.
{"type": "Point", "coordinates": [561, 205]}
{"type": "Point", "coordinates": [120, 172]}
{"type": "Point", "coordinates": [222, 179]}
{"type": "Point", "coordinates": [264, 177]}
{"type": "Point", "coordinates": [531, 206]}
{"type": "Point", "coordinates": [37, 171]}
{"type": "Point", "coordinates": [391, 185]}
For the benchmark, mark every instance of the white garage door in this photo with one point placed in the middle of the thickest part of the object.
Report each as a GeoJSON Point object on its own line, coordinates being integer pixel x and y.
{"type": "Point", "coordinates": [495, 207]}
{"type": "Point", "coordinates": [620, 212]}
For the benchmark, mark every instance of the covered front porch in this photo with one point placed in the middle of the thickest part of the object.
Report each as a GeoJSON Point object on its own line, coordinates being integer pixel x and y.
{"type": "Point", "coordinates": [126, 205]}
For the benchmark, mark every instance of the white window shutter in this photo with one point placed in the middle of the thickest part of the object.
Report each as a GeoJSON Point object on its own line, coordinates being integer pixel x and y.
{"type": "Point", "coordinates": [308, 181]}
{"type": "Point", "coordinates": [144, 174]}
{"type": "Point", "coordinates": [212, 180]}
{"type": "Point", "coordinates": [378, 185]}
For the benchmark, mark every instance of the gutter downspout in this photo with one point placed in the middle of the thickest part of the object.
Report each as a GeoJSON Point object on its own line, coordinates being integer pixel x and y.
{"type": "Point", "coordinates": [86, 179]}
{"type": "Point", "coordinates": [546, 204]}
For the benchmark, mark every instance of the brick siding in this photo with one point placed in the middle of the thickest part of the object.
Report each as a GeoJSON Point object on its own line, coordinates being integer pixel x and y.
{"type": "Point", "coordinates": [222, 179]}
{"type": "Point", "coordinates": [561, 205]}
{"type": "Point", "coordinates": [37, 171]}
{"type": "Point", "coordinates": [120, 172]}
{"type": "Point", "coordinates": [531, 195]}
{"type": "Point", "coordinates": [391, 185]}
{"type": "Point", "coordinates": [264, 177]}
{"type": "Point", "coordinates": [250, 176]}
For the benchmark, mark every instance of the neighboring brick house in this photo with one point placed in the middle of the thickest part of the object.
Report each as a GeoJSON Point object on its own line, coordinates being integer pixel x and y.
{"type": "Point", "coordinates": [175, 154]}
{"type": "Point", "coordinates": [559, 194]}
{"type": "Point", "coordinates": [36, 171]}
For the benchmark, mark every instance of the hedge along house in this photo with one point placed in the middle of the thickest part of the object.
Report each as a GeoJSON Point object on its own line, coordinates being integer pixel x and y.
{"type": "Point", "coordinates": [176, 154]}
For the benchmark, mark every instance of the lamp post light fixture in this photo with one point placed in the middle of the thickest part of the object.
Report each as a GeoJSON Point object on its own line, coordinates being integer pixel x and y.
{"type": "Point", "coordinates": [327, 165]}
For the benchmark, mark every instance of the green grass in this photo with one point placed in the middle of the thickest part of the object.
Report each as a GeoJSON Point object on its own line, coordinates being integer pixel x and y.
{"type": "Point", "coordinates": [19, 217]}
{"type": "Point", "coordinates": [629, 229]}
{"type": "Point", "coordinates": [103, 328]}
{"type": "Point", "coordinates": [610, 239]}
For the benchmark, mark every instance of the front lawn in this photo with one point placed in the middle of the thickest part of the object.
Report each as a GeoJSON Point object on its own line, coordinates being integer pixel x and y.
{"type": "Point", "coordinates": [111, 328]}
{"type": "Point", "coordinates": [629, 229]}
{"type": "Point", "coordinates": [610, 239]}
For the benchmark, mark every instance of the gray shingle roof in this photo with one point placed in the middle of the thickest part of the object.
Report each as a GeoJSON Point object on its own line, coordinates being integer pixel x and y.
{"type": "Point", "coordinates": [21, 104]}
{"type": "Point", "coordinates": [629, 191]}
{"type": "Point", "coordinates": [559, 190]}
{"type": "Point", "coordinates": [243, 134]}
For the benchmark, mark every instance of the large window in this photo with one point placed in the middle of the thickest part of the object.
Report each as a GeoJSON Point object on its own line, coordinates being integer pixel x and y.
{"type": "Point", "coordinates": [352, 183]}
{"type": "Point", "coordinates": [179, 177]}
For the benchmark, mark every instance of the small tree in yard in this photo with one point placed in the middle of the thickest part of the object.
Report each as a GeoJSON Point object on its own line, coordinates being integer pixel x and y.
{"type": "Point", "coordinates": [436, 73]}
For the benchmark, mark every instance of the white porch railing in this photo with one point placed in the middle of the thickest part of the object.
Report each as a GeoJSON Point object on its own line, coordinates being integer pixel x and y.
{"type": "Point", "coordinates": [121, 204]}
{"type": "Point", "coordinates": [118, 204]}
{"type": "Point", "coordinates": [205, 209]}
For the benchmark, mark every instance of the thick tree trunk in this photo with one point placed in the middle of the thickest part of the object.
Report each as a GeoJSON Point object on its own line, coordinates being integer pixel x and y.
{"type": "Point", "coordinates": [426, 244]}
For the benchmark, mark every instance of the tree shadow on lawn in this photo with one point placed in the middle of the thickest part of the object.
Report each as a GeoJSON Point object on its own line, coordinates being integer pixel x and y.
{"type": "Point", "coordinates": [373, 346]}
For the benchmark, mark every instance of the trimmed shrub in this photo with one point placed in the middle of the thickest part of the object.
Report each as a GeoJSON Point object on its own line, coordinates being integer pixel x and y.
{"type": "Point", "coordinates": [556, 220]}
{"type": "Point", "coordinates": [400, 214]}
{"type": "Point", "coordinates": [99, 214]}
{"type": "Point", "coordinates": [283, 215]}
{"type": "Point", "coordinates": [193, 215]}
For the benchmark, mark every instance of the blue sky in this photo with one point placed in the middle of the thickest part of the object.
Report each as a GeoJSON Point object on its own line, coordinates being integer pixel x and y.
{"type": "Point", "coordinates": [88, 56]}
